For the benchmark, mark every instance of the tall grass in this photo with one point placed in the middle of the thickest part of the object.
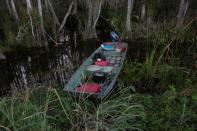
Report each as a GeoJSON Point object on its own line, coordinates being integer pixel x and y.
{"type": "Point", "coordinates": [167, 92]}
{"type": "Point", "coordinates": [50, 109]}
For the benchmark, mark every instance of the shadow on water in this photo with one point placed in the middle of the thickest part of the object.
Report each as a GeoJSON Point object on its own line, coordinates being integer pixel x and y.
{"type": "Point", "coordinates": [24, 67]}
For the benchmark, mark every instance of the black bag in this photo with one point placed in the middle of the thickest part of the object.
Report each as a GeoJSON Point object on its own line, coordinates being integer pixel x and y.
{"type": "Point", "coordinates": [98, 56]}
{"type": "Point", "coordinates": [99, 77]}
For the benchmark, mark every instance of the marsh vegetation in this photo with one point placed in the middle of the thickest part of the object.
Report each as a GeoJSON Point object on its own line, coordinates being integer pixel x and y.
{"type": "Point", "coordinates": [42, 42]}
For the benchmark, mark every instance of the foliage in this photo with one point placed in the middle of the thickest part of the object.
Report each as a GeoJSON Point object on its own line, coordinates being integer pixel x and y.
{"type": "Point", "coordinates": [50, 109]}
{"type": "Point", "coordinates": [167, 105]}
{"type": "Point", "coordinates": [156, 94]}
{"type": "Point", "coordinates": [169, 101]}
{"type": "Point", "coordinates": [162, 14]}
{"type": "Point", "coordinates": [169, 111]}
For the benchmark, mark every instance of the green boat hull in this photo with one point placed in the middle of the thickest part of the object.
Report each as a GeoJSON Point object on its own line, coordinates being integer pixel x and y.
{"type": "Point", "coordinates": [87, 68]}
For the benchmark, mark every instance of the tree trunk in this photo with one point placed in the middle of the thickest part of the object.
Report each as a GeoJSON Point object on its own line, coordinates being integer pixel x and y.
{"type": "Point", "coordinates": [9, 8]}
{"type": "Point", "coordinates": [94, 10]}
{"type": "Point", "coordinates": [29, 9]}
{"type": "Point", "coordinates": [129, 11]}
{"type": "Point", "coordinates": [182, 12]}
{"type": "Point", "coordinates": [14, 10]}
{"type": "Point", "coordinates": [143, 12]}
{"type": "Point", "coordinates": [90, 4]}
{"type": "Point", "coordinates": [75, 7]}
{"type": "Point", "coordinates": [97, 15]}
{"type": "Point", "coordinates": [29, 5]}
{"type": "Point", "coordinates": [42, 23]}
{"type": "Point", "coordinates": [53, 12]}
{"type": "Point", "coordinates": [46, 4]}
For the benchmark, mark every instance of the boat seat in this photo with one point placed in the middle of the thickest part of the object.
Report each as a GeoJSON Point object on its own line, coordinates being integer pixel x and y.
{"type": "Point", "coordinates": [94, 68]}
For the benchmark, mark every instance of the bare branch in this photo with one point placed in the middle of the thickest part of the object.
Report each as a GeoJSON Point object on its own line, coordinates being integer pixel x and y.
{"type": "Point", "coordinates": [53, 12]}
{"type": "Point", "coordinates": [66, 16]}
{"type": "Point", "coordinates": [29, 9]}
{"type": "Point", "coordinates": [98, 14]}
{"type": "Point", "coordinates": [8, 5]}
{"type": "Point", "coordinates": [14, 10]}
{"type": "Point", "coordinates": [42, 22]}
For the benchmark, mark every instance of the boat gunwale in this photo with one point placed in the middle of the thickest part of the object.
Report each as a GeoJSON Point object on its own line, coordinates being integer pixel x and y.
{"type": "Point", "coordinates": [101, 95]}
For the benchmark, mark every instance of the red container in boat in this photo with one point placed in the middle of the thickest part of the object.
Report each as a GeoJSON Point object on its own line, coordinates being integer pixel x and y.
{"type": "Point", "coordinates": [100, 62]}
{"type": "Point", "coordinates": [89, 88]}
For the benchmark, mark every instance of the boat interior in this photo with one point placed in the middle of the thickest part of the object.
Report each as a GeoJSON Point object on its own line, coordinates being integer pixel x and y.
{"type": "Point", "coordinates": [97, 72]}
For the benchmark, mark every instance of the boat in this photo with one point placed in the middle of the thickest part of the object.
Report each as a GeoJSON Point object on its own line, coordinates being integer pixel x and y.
{"type": "Point", "coordinates": [98, 74]}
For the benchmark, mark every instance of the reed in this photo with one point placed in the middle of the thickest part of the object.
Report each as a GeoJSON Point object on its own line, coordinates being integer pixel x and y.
{"type": "Point", "coordinates": [50, 109]}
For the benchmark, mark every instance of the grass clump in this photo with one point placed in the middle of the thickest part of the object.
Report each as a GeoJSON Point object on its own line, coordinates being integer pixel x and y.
{"type": "Point", "coordinates": [52, 109]}
{"type": "Point", "coordinates": [166, 90]}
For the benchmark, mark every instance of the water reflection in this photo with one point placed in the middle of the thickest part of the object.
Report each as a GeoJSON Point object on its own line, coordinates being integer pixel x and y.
{"type": "Point", "coordinates": [55, 66]}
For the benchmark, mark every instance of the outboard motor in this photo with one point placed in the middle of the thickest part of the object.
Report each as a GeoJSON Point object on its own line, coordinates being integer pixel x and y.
{"type": "Point", "coordinates": [114, 36]}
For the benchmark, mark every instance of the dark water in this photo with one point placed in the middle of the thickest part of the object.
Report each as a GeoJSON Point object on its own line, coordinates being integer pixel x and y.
{"type": "Point", "coordinates": [25, 67]}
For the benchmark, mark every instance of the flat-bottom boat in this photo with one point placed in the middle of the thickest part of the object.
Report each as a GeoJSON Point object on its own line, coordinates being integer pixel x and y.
{"type": "Point", "coordinates": [98, 74]}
